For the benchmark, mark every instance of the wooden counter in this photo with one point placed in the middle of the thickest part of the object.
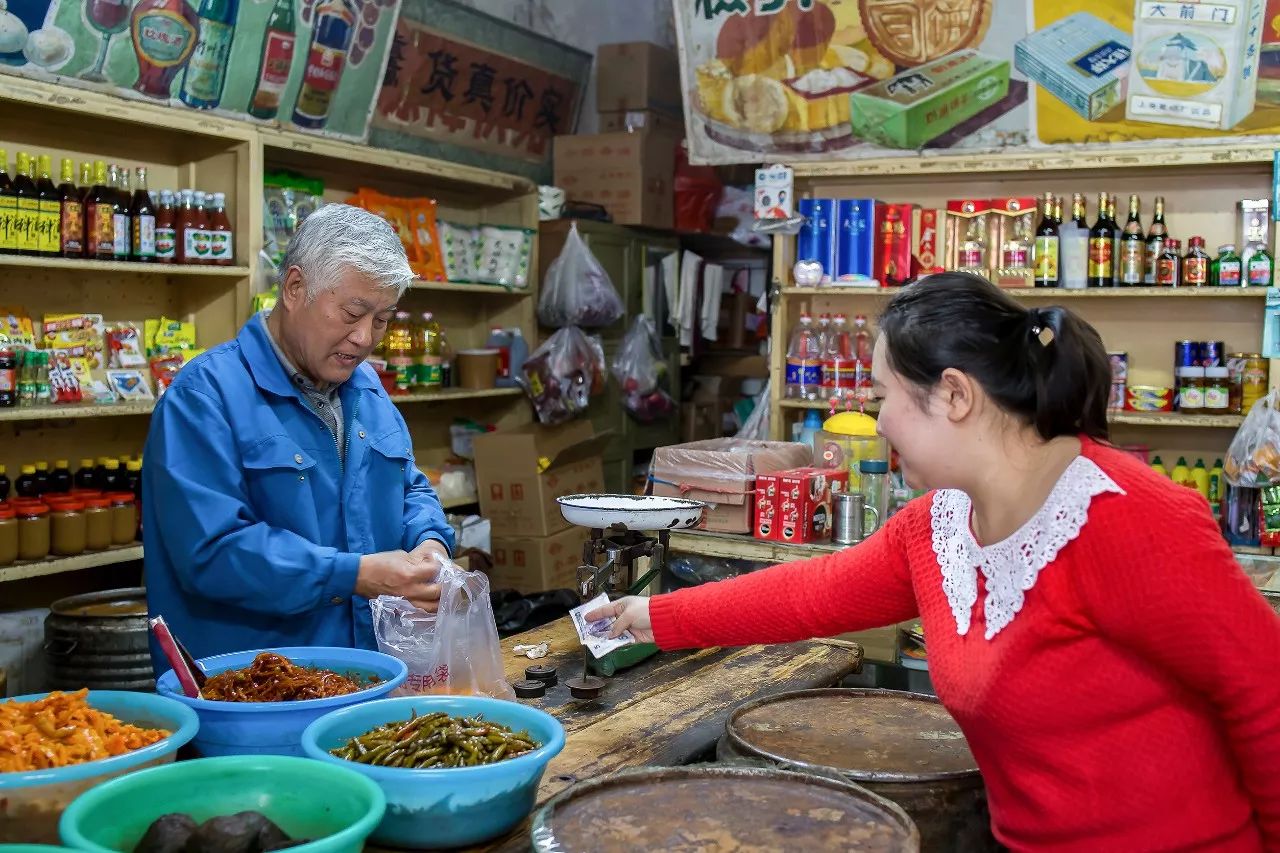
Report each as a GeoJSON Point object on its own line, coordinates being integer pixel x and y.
{"type": "Point", "coordinates": [669, 710]}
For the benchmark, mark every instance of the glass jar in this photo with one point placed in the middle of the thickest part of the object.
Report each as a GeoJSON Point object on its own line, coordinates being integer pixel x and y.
{"type": "Point", "coordinates": [1217, 390]}
{"type": "Point", "coordinates": [1191, 390]}
{"type": "Point", "coordinates": [68, 527]}
{"type": "Point", "coordinates": [124, 518]}
{"type": "Point", "coordinates": [97, 516]}
{"type": "Point", "coordinates": [874, 476]}
{"type": "Point", "coordinates": [33, 530]}
{"type": "Point", "coordinates": [8, 535]}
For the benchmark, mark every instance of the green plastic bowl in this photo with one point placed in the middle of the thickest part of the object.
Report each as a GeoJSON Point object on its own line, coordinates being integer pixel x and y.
{"type": "Point", "coordinates": [336, 807]}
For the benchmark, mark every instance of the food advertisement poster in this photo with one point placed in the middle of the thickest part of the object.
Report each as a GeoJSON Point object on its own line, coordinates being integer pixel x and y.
{"type": "Point", "coordinates": [464, 86]}
{"type": "Point", "coordinates": [311, 65]}
{"type": "Point", "coordinates": [799, 80]}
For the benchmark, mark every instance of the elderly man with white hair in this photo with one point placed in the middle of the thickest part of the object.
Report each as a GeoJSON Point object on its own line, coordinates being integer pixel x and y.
{"type": "Point", "coordinates": [280, 492]}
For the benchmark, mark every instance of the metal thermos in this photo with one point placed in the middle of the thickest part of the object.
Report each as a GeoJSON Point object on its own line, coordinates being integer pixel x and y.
{"type": "Point", "coordinates": [847, 510]}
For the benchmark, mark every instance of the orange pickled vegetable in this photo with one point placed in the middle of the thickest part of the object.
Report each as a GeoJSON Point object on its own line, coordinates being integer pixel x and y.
{"type": "Point", "coordinates": [61, 730]}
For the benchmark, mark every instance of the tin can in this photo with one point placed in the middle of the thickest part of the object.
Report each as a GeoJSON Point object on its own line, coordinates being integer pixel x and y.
{"type": "Point", "coordinates": [1186, 354]}
{"type": "Point", "coordinates": [1254, 381]}
{"type": "Point", "coordinates": [855, 237]}
{"type": "Point", "coordinates": [816, 240]}
{"type": "Point", "coordinates": [1212, 354]}
{"type": "Point", "coordinates": [1148, 398]}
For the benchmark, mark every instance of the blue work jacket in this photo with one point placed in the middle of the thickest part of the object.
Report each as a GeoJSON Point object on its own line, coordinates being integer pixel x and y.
{"type": "Point", "coordinates": [253, 526]}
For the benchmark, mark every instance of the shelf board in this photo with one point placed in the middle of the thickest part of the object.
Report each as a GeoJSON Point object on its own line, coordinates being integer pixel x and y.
{"type": "Point", "coordinates": [1175, 419]}
{"type": "Point", "coordinates": [75, 410]}
{"type": "Point", "coordinates": [1135, 156]}
{"type": "Point", "coordinates": [455, 394]}
{"type": "Point", "coordinates": [86, 265]}
{"type": "Point", "coordinates": [1059, 293]}
{"type": "Point", "coordinates": [57, 565]}
{"type": "Point", "coordinates": [870, 406]}
{"type": "Point", "coordinates": [491, 289]}
{"type": "Point", "coordinates": [737, 546]}
{"type": "Point", "coordinates": [1253, 551]}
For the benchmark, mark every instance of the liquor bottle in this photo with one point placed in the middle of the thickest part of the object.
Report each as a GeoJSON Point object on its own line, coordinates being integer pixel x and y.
{"type": "Point", "coordinates": [1078, 211]}
{"type": "Point", "coordinates": [1169, 264]}
{"type": "Point", "coordinates": [1046, 246]}
{"type": "Point", "coordinates": [120, 226]}
{"type": "Point", "coordinates": [1195, 264]}
{"type": "Point", "coordinates": [330, 38]}
{"type": "Point", "coordinates": [1156, 235]}
{"type": "Point", "coordinates": [99, 216]}
{"type": "Point", "coordinates": [1101, 246]}
{"type": "Point", "coordinates": [1260, 269]}
{"type": "Point", "coordinates": [50, 223]}
{"type": "Point", "coordinates": [1133, 248]}
{"type": "Point", "coordinates": [1115, 239]}
{"type": "Point", "coordinates": [8, 207]}
{"type": "Point", "coordinates": [164, 35]}
{"type": "Point", "coordinates": [275, 60]}
{"type": "Point", "coordinates": [206, 71]}
{"type": "Point", "coordinates": [71, 224]}
{"type": "Point", "coordinates": [1057, 210]}
{"type": "Point", "coordinates": [142, 246]}
{"type": "Point", "coordinates": [166, 231]}
{"type": "Point", "coordinates": [27, 215]}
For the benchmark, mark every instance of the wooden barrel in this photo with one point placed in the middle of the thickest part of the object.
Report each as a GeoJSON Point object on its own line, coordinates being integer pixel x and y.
{"type": "Point", "coordinates": [714, 807]}
{"type": "Point", "coordinates": [99, 640]}
{"type": "Point", "coordinates": [902, 746]}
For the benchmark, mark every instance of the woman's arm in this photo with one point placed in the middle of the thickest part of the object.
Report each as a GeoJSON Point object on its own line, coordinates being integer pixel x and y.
{"type": "Point", "coordinates": [1193, 614]}
{"type": "Point", "coordinates": [866, 586]}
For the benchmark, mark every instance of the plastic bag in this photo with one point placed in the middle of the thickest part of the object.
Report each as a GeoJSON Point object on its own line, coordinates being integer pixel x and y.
{"type": "Point", "coordinates": [1253, 459]}
{"type": "Point", "coordinates": [454, 651]}
{"type": "Point", "coordinates": [562, 374]}
{"type": "Point", "coordinates": [639, 368]}
{"type": "Point", "coordinates": [577, 291]}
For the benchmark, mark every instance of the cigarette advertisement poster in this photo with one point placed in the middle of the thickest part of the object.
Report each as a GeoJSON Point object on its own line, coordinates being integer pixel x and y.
{"type": "Point", "coordinates": [464, 86]}
{"type": "Point", "coordinates": [798, 80]}
{"type": "Point", "coordinates": [310, 65]}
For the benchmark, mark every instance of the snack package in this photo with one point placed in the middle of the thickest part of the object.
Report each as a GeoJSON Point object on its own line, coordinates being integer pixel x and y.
{"type": "Point", "coordinates": [16, 329]}
{"type": "Point", "coordinates": [130, 385]}
{"type": "Point", "coordinates": [64, 386]}
{"type": "Point", "coordinates": [394, 210]}
{"type": "Point", "coordinates": [459, 246]}
{"type": "Point", "coordinates": [163, 369]}
{"type": "Point", "coordinates": [427, 260]}
{"type": "Point", "coordinates": [165, 335]}
{"type": "Point", "coordinates": [504, 255]}
{"type": "Point", "coordinates": [81, 334]}
{"type": "Point", "coordinates": [287, 200]}
{"type": "Point", "coordinates": [125, 346]}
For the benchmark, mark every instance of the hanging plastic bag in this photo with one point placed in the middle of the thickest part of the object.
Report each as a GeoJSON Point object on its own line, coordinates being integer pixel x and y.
{"type": "Point", "coordinates": [562, 374]}
{"type": "Point", "coordinates": [639, 369]}
{"type": "Point", "coordinates": [452, 651]}
{"type": "Point", "coordinates": [1253, 459]}
{"type": "Point", "coordinates": [576, 290]}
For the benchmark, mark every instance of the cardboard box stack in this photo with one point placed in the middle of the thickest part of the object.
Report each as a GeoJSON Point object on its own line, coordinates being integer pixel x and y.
{"type": "Point", "coordinates": [628, 167]}
{"type": "Point", "coordinates": [521, 472]}
{"type": "Point", "coordinates": [722, 472]}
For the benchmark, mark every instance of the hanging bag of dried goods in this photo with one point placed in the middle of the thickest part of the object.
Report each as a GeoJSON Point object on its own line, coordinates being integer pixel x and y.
{"type": "Point", "coordinates": [454, 650]}
{"type": "Point", "coordinates": [1253, 459]}
{"type": "Point", "coordinates": [562, 374]}
{"type": "Point", "coordinates": [639, 369]}
{"type": "Point", "coordinates": [577, 291]}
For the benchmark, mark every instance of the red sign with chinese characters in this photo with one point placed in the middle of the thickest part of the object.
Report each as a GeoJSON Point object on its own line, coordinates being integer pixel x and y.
{"type": "Point", "coordinates": [446, 90]}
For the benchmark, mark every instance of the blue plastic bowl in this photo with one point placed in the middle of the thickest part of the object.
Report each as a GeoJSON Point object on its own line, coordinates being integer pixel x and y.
{"type": "Point", "coordinates": [452, 806]}
{"type": "Point", "coordinates": [275, 728]}
{"type": "Point", "coordinates": [32, 802]}
{"type": "Point", "coordinates": [333, 807]}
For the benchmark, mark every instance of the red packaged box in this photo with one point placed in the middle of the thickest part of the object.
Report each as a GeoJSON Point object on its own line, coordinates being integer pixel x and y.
{"type": "Point", "coordinates": [803, 501]}
{"type": "Point", "coordinates": [766, 513]}
{"type": "Point", "coordinates": [929, 250]}
{"type": "Point", "coordinates": [893, 244]}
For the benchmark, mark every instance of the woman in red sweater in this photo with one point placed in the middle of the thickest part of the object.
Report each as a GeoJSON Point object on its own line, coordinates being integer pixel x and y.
{"type": "Point", "coordinates": [1115, 672]}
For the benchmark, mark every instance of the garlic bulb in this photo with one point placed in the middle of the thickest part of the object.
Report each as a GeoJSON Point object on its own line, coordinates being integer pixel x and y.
{"type": "Point", "coordinates": [13, 33]}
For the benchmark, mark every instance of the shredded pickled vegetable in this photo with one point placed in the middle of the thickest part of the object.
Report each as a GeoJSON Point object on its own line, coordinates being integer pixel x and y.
{"type": "Point", "coordinates": [61, 730]}
{"type": "Point", "coordinates": [275, 678]}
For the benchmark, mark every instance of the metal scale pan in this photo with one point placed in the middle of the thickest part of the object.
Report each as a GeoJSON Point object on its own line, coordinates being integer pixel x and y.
{"type": "Point", "coordinates": [631, 512]}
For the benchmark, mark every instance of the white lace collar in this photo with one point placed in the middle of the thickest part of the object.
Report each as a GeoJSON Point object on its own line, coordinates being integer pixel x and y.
{"type": "Point", "coordinates": [1012, 566]}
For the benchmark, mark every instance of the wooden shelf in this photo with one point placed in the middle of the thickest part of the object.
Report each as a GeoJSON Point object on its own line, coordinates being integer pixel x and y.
{"type": "Point", "coordinates": [1175, 419]}
{"type": "Point", "coordinates": [738, 546]}
{"type": "Point", "coordinates": [490, 289]}
{"type": "Point", "coordinates": [1060, 293]}
{"type": "Point", "coordinates": [1131, 156]}
{"type": "Point", "coordinates": [70, 410]}
{"type": "Point", "coordinates": [73, 264]}
{"type": "Point", "coordinates": [455, 394]}
{"type": "Point", "coordinates": [870, 406]}
{"type": "Point", "coordinates": [57, 565]}
{"type": "Point", "coordinates": [1253, 551]}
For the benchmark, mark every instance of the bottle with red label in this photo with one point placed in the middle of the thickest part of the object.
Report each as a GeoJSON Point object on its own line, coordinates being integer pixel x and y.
{"type": "Point", "coordinates": [275, 60]}
{"type": "Point", "coordinates": [166, 232]}
{"type": "Point", "coordinates": [330, 39]}
{"type": "Point", "coordinates": [221, 240]}
{"type": "Point", "coordinates": [189, 227]}
{"type": "Point", "coordinates": [164, 35]}
{"type": "Point", "coordinates": [71, 224]}
{"type": "Point", "coordinates": [1195, 264]}
{"type": "Point", "coordinates": [1169, 263]}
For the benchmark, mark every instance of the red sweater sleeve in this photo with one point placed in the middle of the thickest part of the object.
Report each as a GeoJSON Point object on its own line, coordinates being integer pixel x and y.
{"type": "Point", "coordinates": [865, 586]}
{"type": "Point", "coordinates": [1183, 604]}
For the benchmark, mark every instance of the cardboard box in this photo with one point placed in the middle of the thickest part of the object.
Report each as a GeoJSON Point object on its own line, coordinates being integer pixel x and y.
{"type": "Point", "coordinates": [517, 497]}
{"type": "Point", "coordinates": [634, 121]}
{"type": "Point", "coordinates": [638, 75]}
{"type": "Point", "coordinates": [722, 472]}
{"type": "Point", "coordinates": [629, 174]}
{"type": "Point", "coordinates": [537, 563]}
{"type": "Point", "coordinates": [1081, 60]}
{"type": "Point", "coordinates": [804, 503]}
{"type": "Point", "coordinates": [766, 511]}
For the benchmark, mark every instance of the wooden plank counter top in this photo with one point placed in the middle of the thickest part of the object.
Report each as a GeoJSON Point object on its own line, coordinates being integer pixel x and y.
{"type": "Point", "coordinates": [669, 710]}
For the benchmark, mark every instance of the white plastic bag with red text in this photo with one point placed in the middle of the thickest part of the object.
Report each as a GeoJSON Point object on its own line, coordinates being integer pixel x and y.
{"type": "Point", "coordinates": [455, 650]}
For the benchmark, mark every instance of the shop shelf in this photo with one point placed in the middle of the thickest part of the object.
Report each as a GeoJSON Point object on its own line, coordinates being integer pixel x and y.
{"type": "Point", "coordinates": [1054, 293]}
{"type": "Point", "coordinates": [870, 407]}
{"type": "Point", "coordinates": [1175, 419]}
{"type": "Point", "coordinates": [89, 560]}
{"type": "Point", "coordinates": [454, 394]}
{"type": "Point", "coordinates": [86, 265]}
{"type": "Point", "coordinates": [75, 410]}
{"type": "Point", "coordinates": [491, 289]}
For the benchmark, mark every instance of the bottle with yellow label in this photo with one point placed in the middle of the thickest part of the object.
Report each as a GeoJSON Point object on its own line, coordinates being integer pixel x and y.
{"type": "Point", "coordinates": [8, 206]}
{"type": "Point", "coordinates": [1181, 474]}
{"type": "Point", "coordinates": [27, 217]}
{"type": "Point", "coordinates": [49, 225]}
{"type": "Point", "coordinates": [1200, 478]}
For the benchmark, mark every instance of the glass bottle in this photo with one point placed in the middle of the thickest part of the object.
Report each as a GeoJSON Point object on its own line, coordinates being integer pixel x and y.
{"type": "Point", "coordinates": [1228, 270]}
{"type": "Point", "coordinates": [50, 223]}
{"type": "Point", "coordinates": [275, 60]}
{"type": "Point", "coordinates": [875, 487]}
{"type": "Point", "coordinates": [1260, 269]}
{"type": "Point", "coordinates": [86, 476]}
{"type": "Point", "coordinates": [1101, 246]}
{"type": "Point", "coordinates": [120, 227]}
{"type": "Point", "coordinates": [1169, 264]}
{"type": "Point", "coordinates": [8, 208]}
{"type": "Point", "coordinates": [166, 232]}
{"type": "Point", "coordinates": [221, 240]}
{"type": "Point", "coordinates": [1047, 246]}
{"type": "Point", "coordinates": [1156, 235]}
{"type": "Point", "coordinates": [1195, 264]}
{"type": "Point", "coordinates": [142, 246]}
{"type": "Point", "coordinates": [1133, 249]}
{"type": "Point", "coordinates": [71, 222]}
{"type": "Point", "coordinates": [27, 216]}
{"type": "Point", "coordinates": [100, 215]}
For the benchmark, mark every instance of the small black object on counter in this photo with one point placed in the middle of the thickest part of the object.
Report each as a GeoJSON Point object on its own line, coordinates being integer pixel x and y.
{"type": "Point", "coordinates": [529, 688]}
{"type": "Point", "coordinates": [542, 672]}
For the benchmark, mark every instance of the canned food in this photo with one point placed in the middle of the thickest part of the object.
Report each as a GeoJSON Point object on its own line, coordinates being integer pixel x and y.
{"type": "Point", "coordinates": [1235, 381]}
{"type": "Point", "coordinates": [1186, 354]}
{"type": "Point", "coordinates": [1212, 354]}
{"type": "Point", "coordinates": [1254, 381]}
{"type": "Point", "coordinates": [1148, 398]}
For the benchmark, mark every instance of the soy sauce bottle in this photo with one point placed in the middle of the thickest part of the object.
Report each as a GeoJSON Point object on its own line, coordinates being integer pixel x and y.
{"type": "Point", "coordinates": [26, 485]}
{"type": "Point", "coordinates": [60, 477]}
{"type": "Point", "coordinates": [5, 485]}
{"type": "Point", "coordinates": [42, 478]}
{"type": "Point", "coordinates": [113, 481]}
{"type": "Point", "coordinates": [86, 475]}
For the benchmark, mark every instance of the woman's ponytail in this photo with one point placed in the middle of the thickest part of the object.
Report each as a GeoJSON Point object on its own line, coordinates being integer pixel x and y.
{"type": "Point", "coordinates": [1072, 373]}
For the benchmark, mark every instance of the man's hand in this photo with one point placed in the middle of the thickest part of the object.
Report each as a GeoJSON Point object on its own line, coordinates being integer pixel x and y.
{"type": "Point", "coordinates": [431, 551]}
{"type": "Point", "coordinates": [403, 574]}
